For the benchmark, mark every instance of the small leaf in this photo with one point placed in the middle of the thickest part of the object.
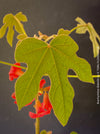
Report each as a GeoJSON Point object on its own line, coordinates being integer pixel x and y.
{"type": "Point", "coordinates": [10, 21]}
{"type": "Point", "coordinates": [55, 60]}
{"type": "Point", "coordinates": [93, 37]}
{"type": "Point", "coordinates": [21, 36]}
{"type": "Point", "coordinates": [21, 17]}
{"type": "Point", "coordinates": [43, 132]}
{"type": "Point", "coordinates": [81, 30]}
{"type": "Point", "coordinates": [62, 31]}
{"type": "Point", "coordinates": [3, 30]}
{"type": "Point", "coordinates": [73, 132]}
{"type": "Point", "coordinates": [10, 35]}
{"type": "Point", "coordinates": [93, 34]}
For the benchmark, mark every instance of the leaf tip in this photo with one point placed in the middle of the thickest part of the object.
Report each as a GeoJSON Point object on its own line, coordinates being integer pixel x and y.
{"type": "Point", "coordinates": [93, 82]}
{"type": "Point", "coordinates": [19, 108]}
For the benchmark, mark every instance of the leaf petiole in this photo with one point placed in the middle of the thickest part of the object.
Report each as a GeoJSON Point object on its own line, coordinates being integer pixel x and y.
{"type": "Point", "coordinates": [77, 28]}
{"type": "Point", "coordinates": [69, 76]}
{"type": "Point", "coordinates": [50, 37]}
{"type": "Point", "coordinates": [9, 64]}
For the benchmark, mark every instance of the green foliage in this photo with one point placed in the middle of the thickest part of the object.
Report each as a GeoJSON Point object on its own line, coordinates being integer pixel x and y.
{"type": "Point", "coordinates": [55, 60]}
{"type": "Point", "coordinates": [45, 132]}
{"type": "Point", "coordinates": [21, 37]}
{"type": "Point", "coordinates": [94, 37]}
{"type": "Point", "coordinates": [62, 31]}
{"type": "Point", "coordinates": [73, 132]}
{"type": "Point", "coordinates": [10, 21]}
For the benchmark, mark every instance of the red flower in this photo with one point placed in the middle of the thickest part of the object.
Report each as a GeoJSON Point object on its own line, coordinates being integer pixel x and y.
{"type": "Point", "coordinates": [14, 97]}
{"type": "Point", "coordinates": [42, 109]}
{"type": "Point", "coordinates": [15, 102]}
{"type": "Point", "coordinates": [46, 103]}
{"type": "Point", "coordinates": [15, 72]}
{"type": "Point", "coordinates": [42, 82]}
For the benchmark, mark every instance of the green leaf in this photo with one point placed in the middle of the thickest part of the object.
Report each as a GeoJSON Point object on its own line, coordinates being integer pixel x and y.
{"type": "Point", "coordinates": [73, 132]}
{"type": "Point", "coordinates": [10, 35]}
{"type": "Point", "coordinates": [43, 132]}
{"type": "Point", "coordinates": [94, 37]}
{"type": "Point", "coordinates": [55, 60]}
{"type": "Point", "coordinates": [62, 31]}
{"type": "Point", "coordinates": [10, 21]}
{"type": "Point", "coordinates": [21, 17]}
{"type": "Point", "coordinates": [21, 36]}
{"type": "Point", "coordinates": [3, 30]}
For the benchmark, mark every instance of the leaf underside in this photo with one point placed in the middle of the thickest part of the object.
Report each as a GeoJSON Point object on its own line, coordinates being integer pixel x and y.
{"type": "Point", "coordinates": [55, 60]}
{"type": "Point", "coordinates": [94, 37]}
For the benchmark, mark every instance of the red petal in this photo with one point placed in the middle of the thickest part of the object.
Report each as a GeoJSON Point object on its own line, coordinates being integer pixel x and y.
{"type": "Point", "coordinates": [13, 95]}
{"type": "Point", "coordinates": [13, 70]}
{"type": "Point", "coordinates": [33, 115]}
{"type": "Point", "coordinates": [42, 82]}
{"type": "Point", "coordinates": [30, 102]}
{"type": "Point", "coordinates": [46, 103]}
{"type": "Point", "coordinates": [15, 102]}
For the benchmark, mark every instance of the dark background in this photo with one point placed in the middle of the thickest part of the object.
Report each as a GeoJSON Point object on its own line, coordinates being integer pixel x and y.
{"type": "Point", "coordinates": [48, 16]}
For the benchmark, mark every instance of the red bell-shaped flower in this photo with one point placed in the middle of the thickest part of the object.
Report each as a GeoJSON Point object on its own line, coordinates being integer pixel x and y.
{"type": "Point", "coordinates": [15, 72]}
{"type": "Point", "coordinates": [42, 109]}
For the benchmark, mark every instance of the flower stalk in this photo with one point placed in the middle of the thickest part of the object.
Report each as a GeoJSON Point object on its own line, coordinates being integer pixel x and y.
{"type": "Point", "coordinates": [37, 126]}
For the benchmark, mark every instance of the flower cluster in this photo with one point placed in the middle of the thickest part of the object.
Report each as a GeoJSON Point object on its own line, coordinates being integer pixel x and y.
{"type": "Point", "coordinates": [43, 108]}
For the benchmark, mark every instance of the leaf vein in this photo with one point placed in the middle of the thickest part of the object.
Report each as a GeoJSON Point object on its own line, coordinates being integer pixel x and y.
{"type": "Point", "coordinates": [42, 58]}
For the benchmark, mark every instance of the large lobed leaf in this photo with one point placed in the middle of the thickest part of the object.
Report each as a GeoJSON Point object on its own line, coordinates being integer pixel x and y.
{"type": "Point", "coordinates": [10, 21]}
{"type": "Point", "coordinates": [94, 37]}
{"type": "Point", "coordinates": [55, 60]}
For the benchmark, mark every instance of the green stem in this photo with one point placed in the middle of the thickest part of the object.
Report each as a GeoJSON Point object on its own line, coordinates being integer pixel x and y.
{"type": "Point", "coordinates": [77, 28]}
{"type": "Point", "coordinates": [50, 37]}
{"type": "Point", "coordinates": [9, 64]}
{"type": "Point", "coordinates": [75, 76]}
{"type": "Point", "coordinates": [37, 126]}
{"type": "Point", "coordinates": [69, 76]}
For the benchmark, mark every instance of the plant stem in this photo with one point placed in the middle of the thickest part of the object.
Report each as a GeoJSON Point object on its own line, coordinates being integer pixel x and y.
{"type": "Point", "coordinates": [75, 76]}
{"type": "Point", "coordinates": [69, 76]}
{"type": "Point", "coordinates": [37, 126]}
{"type": "Point", "coordinates": [50, 37]}
{"type": "Point", "coordinates": [77, 28]}
{"type": "Point", "coordinates": [9, 64]}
